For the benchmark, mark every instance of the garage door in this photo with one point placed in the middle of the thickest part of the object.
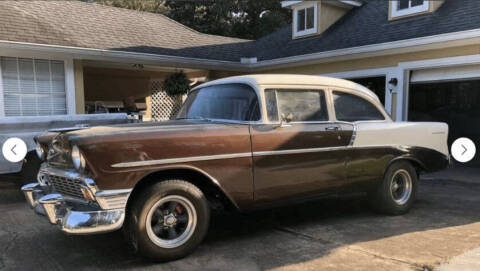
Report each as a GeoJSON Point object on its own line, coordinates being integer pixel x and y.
{"type": "Point", "coordinates": [450, 95]}
{"type": "Point", "coordinates": [445, 74]}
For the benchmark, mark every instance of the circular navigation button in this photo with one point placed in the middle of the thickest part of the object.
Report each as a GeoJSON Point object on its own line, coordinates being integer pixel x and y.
{"type": "Point", "coordinates": [463, 149]}
{"type": "Point", "coordinates": [14, 149]}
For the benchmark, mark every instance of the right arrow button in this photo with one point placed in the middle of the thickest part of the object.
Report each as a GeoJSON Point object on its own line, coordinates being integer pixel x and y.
{"type": "Point", "coordinates": [463, 149]}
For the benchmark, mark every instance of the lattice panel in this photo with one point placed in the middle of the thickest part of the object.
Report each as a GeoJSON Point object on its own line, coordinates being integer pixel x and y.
{"type": "Point", "coordinates": [163, 106]}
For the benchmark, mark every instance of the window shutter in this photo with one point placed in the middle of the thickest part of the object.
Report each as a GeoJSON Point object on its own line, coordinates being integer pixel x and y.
{"type": "Point", "coordinates": [33, 87]}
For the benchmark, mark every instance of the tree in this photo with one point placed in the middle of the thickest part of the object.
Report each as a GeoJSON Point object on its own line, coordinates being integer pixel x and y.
{"type": "Point", "coordinates": [250, 19]}
{"type": "Point", "coordinates": [155, 6]}
{"type": "Point", "coordinates": [262, 17]}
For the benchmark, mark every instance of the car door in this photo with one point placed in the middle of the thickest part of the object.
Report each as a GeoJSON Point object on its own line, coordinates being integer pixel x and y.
{"type": "Point", "coordinates": [364, 164]}
{"type": "Point", "coordinates": [300, 158]}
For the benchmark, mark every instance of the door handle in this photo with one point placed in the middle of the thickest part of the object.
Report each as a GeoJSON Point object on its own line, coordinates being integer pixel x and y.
{"type": "Point", "coordinates": [331, 128]}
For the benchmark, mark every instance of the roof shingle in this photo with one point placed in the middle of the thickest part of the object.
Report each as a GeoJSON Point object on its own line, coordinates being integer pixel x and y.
{"type": "Point", "coordinates": [89, 25]}
{"type": "Point", "coordinates": [368, 25]}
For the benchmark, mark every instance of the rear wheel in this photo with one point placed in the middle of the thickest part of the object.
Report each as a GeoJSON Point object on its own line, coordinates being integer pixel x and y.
{"type": "Point", "coordinates": [168, 220]}
{"type": "Point", "coordinates": [396, 193]}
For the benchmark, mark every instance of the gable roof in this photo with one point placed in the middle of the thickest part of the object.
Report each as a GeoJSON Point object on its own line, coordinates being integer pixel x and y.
{"type": "Point", "coordinates": [89, 25]}
{"type": "Point", "coordinates": [369, 25]}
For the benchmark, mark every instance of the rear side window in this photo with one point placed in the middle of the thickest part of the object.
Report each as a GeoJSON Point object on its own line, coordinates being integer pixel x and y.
{"type": "Point", "coordinates": [351, 108]}
{"type": "Point", "coordinates": [302, 105]}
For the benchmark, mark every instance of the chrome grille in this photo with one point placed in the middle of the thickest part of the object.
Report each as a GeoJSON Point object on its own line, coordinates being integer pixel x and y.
{"type": "Point", "coordinates": [66, 186]}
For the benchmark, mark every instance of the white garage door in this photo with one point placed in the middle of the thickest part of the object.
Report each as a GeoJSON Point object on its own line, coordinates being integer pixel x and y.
{"type": "Point", "coordinates": [32, 87]}
{"type": "Point", "coordinates": [445, 74]}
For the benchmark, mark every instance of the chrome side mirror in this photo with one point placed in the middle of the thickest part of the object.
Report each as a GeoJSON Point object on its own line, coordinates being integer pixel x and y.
{"type": "Point", "coordinates": [288, 118]}
{"type": "Point", "coordinates": [284, 120]}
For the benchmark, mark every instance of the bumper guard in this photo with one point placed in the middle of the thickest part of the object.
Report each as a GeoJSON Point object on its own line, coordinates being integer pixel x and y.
{"type": "Point", "coordinates": [88, 220]}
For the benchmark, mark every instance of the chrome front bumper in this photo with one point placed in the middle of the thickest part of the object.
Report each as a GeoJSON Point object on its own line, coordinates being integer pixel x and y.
{"type": "Point", "coordinates": [75, 218]}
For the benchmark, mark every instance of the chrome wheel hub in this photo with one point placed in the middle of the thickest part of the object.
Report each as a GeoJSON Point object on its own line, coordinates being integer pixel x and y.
{"type": "Point", "coordinates": [401, 186]}
{"type": "Point", "coordinates": [171, 221]}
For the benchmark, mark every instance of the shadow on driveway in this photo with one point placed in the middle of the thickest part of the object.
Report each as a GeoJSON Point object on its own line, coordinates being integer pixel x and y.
{"type": "Point", "coordinates": [335, 233]}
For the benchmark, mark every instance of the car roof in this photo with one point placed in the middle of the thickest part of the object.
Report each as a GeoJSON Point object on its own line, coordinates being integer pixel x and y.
{"type": "Point", "coordinates": [258, 80]}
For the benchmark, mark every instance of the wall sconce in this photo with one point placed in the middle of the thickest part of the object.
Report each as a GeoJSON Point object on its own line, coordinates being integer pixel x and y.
{"type": "Point", "coordinates": [392, 83]}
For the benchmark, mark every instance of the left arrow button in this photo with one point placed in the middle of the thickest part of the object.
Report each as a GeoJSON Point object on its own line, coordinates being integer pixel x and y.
{"type": "Point", "coordinates": [14, 149]}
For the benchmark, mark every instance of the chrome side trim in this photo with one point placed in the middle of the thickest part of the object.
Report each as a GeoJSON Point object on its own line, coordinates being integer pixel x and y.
{"type": "Point", "coordinates": [113, 199]}
{"type": "Point", "coordinates": [181, 160]}
{"type": "Point", "coordinates": [115, 192]}
{"type": "Point", "coordinates": [247, 154]}
{"type": "Point", "coordinates": [297, 151]}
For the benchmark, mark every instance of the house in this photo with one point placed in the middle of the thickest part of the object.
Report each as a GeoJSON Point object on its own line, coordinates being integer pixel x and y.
{"type": "Point", "coordinates": [422, 58]}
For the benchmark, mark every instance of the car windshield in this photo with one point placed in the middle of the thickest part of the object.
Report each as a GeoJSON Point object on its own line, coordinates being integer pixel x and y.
{"type": "Point", "coordinates": [236, 102]}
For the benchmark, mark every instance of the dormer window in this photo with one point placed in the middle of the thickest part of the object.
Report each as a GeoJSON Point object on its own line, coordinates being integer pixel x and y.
{"type": "Point", "coordinates": [402, 8]}
{"type": "Point", "coordinates": [305, 19]}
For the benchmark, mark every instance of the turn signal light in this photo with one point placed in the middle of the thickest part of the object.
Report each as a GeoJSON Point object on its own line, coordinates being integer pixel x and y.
{"type": "Point", "coordinates": [87, 194]}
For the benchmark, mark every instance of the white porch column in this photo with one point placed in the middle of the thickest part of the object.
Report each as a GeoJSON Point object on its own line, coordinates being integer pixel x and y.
{"type": "Point", "coordinates": [70, 86]}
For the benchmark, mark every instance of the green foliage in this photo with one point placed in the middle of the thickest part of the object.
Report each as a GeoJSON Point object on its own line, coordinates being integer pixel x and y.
{"type": "Point", "coordinates": [176, 84]}
{"type": "Point", "coordinates": [249, 19]}
{"type": "Point", "coordinates": [155, 6]}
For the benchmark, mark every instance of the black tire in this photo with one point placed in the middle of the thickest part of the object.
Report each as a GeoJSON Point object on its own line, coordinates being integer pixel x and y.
{"type": "Point", "coordinates": [30, 168]}
{"type": "Point", "coordinates": [135, 227]}
{"type": "Point", "coordinates": [384, 200]}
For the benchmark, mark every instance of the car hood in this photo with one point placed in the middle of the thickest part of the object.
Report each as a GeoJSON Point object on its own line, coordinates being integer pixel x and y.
{"type": "Point", "coordinates": [82, 136]}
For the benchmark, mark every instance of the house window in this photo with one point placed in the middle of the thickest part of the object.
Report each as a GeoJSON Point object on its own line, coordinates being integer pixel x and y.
{"type": "Point", "coordinates": [408, 7]}
{"type": "Point", "coordinates": [32, 87]}
{"type": "Point", "coordinates": [305, 20]}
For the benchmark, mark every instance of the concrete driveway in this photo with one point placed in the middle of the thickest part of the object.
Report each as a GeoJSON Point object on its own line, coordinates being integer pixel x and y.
{"type": "Point", "coordinates": [335, 234]}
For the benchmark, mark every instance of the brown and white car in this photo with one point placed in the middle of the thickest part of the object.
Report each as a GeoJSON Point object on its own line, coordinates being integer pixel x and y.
{"type": "Point", "coordinates": [247, 142]}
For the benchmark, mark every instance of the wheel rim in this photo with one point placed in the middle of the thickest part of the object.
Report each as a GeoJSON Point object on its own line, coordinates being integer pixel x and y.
{"type": "Point", "coordinates": [171, 221]}
{"type": "Point", "coordinates": [401, 186]}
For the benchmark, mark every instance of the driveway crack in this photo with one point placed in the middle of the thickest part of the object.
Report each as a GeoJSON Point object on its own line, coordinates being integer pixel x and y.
{"type": "Point", "coordinates": [355, 248]}
{"type": "Point", "coordinates": [10, 243]}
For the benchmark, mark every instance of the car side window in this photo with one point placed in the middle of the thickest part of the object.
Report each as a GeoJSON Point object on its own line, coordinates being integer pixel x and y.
{"type": "Point", "coordinates": [352, 108]}
{"type": "Point", "coordinates": [271, 103]}
{"type": "Point", "coordinates": [300, 104]}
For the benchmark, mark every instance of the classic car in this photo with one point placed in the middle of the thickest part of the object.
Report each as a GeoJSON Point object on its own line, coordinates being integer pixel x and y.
{"type": "Point", "coordinates": [245, 142]}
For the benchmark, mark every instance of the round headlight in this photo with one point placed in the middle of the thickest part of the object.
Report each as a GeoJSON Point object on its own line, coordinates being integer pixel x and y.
{"type": "Point", "coordinates": [77, 159]}
{"type": "Point", "coordinates": [40, 151]}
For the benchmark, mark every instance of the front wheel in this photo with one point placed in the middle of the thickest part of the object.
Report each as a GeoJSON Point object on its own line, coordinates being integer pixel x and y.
{"type": "Point", "coordinates": [396, 193]}
{"type": "Point", "coordinates": [167, 220]}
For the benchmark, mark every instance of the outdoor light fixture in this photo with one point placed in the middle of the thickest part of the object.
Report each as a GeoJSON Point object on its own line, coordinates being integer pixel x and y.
{"type": "Point", "coordinates": [392, 83]}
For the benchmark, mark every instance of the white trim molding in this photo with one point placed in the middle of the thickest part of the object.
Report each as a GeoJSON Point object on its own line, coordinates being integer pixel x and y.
{"type": "Point", "coordinates": [70, 86]}
{"type": "Point", "coordinates": [395, 12]}
{"type": "Point", "coordinates": [68, 70]}
{"type": "Point", "coordinates": [305, 6]}
{"type": "Point", "coordinates": [461, 38]}
{"type": "Point", "coordinates": [2, 105]}
{"type": "Point", "coordinates": [72, 52]}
